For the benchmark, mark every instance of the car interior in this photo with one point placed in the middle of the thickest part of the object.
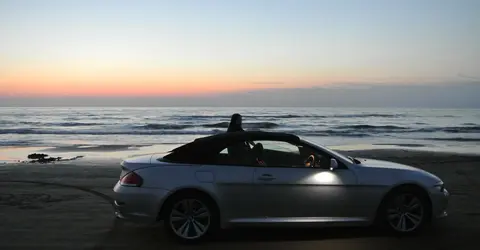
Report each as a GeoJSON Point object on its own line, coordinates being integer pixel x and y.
{"type": "Point", "coordinates": [262, 155]}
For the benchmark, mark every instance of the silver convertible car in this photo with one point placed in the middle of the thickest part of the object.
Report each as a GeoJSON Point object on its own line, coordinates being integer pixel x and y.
{"type": "Point", "coordinates": [272, 179]}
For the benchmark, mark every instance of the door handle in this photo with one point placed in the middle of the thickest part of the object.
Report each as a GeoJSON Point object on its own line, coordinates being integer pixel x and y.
{"type": "Point", "coordinates": [266, 177]}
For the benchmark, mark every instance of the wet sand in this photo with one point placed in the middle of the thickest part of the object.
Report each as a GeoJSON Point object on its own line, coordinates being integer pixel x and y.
{"type": "Point", "coordinates": [67, 205]}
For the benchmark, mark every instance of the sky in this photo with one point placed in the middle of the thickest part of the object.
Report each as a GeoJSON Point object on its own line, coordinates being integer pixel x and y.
{"type": "Point", "coordinates": [191, 49]}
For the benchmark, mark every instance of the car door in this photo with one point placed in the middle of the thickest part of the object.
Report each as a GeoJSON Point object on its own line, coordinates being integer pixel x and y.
{"type": "Point", "coordinates": [233, 187]}
{"type": "Point", "coordinates": [291, 190]}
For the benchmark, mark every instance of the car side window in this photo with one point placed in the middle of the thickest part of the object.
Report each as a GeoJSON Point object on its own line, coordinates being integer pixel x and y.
{"type": "Point", "coordinates": [279, 146]}
{"type": "Point", "coordinates": [272, 153]}
{"type": "Point", "coordinates": [285, 154]}
{"type": "Point", "coordinates": [322, 159]}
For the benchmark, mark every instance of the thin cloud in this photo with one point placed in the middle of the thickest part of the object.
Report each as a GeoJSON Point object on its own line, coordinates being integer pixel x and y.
{"type": "Point", "coordinates": [268, 83]}
{"type": "Point", "coordinates": [468, 77]}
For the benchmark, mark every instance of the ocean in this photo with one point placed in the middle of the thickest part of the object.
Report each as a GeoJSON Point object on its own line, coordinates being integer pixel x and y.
{"type": "Point", "coordinates": [444, 129]}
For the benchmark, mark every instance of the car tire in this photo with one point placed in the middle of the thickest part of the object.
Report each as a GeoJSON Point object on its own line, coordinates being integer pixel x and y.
{"type": "Point", "coordinates": [191, 218]}
{"type": "Point", "coordinates": [405, 211]}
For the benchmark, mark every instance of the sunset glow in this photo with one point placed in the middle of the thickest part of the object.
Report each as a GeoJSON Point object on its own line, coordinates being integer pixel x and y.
{"type": "Point", "coordinates": [122, 48]}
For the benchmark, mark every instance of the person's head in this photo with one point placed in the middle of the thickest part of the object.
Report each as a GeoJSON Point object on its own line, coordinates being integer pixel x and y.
{"type": "Point", "coordinates": [257, 150]}
{"type": "Point", "coordinates": [236, 119]}
{"type": "Point", "coordinates": [235, 122]}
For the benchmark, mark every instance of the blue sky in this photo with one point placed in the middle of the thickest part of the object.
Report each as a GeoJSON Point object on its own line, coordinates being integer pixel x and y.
{"type": "Point", "coordinates": [171, 46]}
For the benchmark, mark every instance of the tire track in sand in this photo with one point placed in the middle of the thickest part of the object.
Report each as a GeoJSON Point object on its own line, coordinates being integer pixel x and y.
{"type": "Point", "coordinates": [110, 200]}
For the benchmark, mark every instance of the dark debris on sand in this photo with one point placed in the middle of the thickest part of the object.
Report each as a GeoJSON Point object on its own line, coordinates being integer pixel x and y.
{"type": "Point", "coordinates": [37, 156]}
{"type": "Point", "coordinates": [43, 158]}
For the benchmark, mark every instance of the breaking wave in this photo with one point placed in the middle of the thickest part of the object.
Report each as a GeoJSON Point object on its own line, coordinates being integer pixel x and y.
{"type": "Point", "coordinates": [251, 125]}
{"type": "Point", "coordinates": [359, 130]}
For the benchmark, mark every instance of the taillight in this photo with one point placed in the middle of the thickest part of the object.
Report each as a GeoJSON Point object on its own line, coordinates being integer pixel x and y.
{"type": "Point", "coordinates": [131, 179]}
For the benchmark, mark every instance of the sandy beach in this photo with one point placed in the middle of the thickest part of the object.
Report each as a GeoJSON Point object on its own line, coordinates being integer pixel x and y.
{"type": "Point", "coordinates": [67, 205]}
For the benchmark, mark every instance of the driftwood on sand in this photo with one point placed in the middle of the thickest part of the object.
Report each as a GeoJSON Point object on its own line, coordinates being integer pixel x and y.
{"type": "Point", "coordinates": [43, 158]}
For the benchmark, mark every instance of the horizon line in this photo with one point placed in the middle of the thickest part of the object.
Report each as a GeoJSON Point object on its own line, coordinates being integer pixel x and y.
{"type": "Point", "coordinates": [209, 106]}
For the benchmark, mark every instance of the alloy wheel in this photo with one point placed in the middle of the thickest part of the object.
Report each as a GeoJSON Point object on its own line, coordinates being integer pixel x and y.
{"type": "Point", "coordinates": [190, 219]}
{"type": "Point", "coordinates": [405, 213]}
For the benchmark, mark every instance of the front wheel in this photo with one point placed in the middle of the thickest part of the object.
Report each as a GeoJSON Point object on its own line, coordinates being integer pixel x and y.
{"type": "Point", "coordinates": [190, 218]}
{"type": "Point", "coordinates": [406, 211]}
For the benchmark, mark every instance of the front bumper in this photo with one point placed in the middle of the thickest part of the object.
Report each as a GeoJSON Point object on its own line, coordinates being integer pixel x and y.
{"type": "Point", "coordinates": [439, 198]}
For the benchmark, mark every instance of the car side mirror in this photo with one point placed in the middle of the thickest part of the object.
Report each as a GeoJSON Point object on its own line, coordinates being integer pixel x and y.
{"type": "Point", "coordinates": [333, 164]}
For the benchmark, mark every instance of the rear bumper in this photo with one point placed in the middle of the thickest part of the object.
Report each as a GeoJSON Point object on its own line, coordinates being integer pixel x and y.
{"type": "Point", "coordinates": [138, 205]}
{"type": "Point", "coordinates": [122, 213]}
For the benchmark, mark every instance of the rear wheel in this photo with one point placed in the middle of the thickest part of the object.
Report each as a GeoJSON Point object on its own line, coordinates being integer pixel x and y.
{"type": "Point", "coordinates": [190, 218]}
{"type": "Point", "coordinates": [406, 211]}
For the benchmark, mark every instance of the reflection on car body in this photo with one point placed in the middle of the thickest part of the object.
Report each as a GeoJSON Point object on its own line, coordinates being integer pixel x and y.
{"type": "Point", "coordinates": [283, 180]}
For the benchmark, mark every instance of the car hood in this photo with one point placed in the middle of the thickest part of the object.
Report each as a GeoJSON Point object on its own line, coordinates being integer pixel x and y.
{"type": "Point", "coordinates": [378, 164]}
{"type": "Point", "coordinates": [371, 163]}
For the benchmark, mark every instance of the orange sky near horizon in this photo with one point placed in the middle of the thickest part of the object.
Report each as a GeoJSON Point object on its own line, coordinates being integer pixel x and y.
{"type": "Point", "coordinates": [179, 48]}
{"type": "Point", "coordinates": [75, 80]}
{"type": "Point", "coordinates": [128, 82]}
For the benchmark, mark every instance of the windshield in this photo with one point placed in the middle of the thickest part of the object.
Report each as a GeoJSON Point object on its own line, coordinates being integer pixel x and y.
{"type": "Point", "coordinates": [332, 152]}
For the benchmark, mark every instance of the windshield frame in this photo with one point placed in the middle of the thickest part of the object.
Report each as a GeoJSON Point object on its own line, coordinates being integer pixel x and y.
{"type": "Point", "coordinates": [337, 155]}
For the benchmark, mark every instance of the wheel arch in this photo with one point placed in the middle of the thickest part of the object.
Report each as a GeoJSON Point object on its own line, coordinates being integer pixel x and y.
{"type": "Point", "coordinates": [182, 191]}
{"type": "Point", "coordinates": [408, 185]}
